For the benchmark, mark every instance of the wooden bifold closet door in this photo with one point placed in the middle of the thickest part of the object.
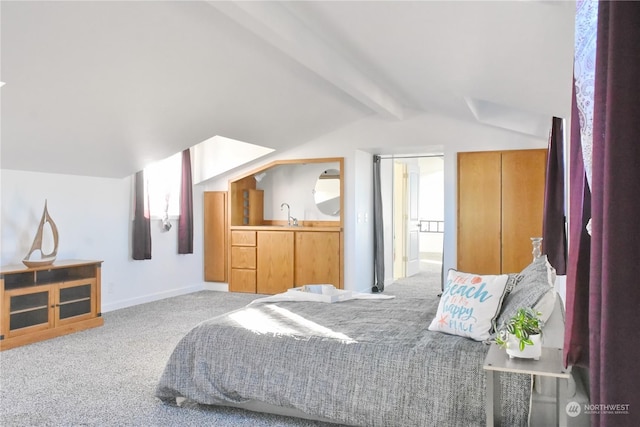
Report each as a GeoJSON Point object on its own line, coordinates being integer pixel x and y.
{"type": "Point", "coordinates": [500, 203]}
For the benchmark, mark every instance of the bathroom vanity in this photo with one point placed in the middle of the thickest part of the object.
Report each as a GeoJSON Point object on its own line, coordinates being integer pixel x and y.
{"type": "Point", "coordinates": [286, 226]}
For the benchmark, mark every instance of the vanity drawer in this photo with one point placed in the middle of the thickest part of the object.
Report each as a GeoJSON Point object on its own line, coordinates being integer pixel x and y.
{"type": "Point", "coordinates": [243, 238]}
{"type": "Point", "coordinates": [243, 280]}
{"type": "Point", "coordinates": [243, 257]}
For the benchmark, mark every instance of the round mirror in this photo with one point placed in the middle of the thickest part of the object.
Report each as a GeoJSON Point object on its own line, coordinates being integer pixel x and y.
{"type": "Point", "coordinates": [327, 192]}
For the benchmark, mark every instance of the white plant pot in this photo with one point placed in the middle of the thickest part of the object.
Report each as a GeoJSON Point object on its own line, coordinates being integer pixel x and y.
{"type": "Point", "coordinates": [530, 351]}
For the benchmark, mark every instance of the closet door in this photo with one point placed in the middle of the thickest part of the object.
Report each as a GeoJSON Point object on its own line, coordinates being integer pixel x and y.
{"type": "Point", "coordinates": [215, 236]}
{"type": "Point", "coordinates": [479, 212]}
{"type": "Point", "coordinates": [523, 177]}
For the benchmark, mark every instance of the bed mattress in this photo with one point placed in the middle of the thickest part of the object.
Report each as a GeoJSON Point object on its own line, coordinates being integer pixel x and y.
{"type": "Point", "coordinates": [357, 362]}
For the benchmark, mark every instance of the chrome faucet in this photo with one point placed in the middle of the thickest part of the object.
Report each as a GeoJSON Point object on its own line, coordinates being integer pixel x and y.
{"type": "Point", "coordinates": [288, 212]}
{"type": "Point", "coordinates": [289, 217]}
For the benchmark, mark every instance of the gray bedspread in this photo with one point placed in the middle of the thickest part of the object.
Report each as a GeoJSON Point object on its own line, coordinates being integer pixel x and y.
{"type": "Point", "coordinates": [358, 362]}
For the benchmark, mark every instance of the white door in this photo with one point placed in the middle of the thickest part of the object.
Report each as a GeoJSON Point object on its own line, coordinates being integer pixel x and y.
{"type": "Point", "coordinates": [413, 220]}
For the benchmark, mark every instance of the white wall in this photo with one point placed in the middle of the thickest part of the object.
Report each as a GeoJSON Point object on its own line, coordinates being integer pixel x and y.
{"type": "Point", "coordinates": [359, 243]}
{"type": "Point", "coordinates": [93, 216]}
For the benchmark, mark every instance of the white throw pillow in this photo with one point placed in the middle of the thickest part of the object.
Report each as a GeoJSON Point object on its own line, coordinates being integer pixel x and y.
{"type": "Point", "coordinates": [469, 304]}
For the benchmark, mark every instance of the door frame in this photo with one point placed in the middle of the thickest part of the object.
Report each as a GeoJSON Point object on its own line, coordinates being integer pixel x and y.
{"type": "Point", "coordinates": [412, 219]}
{"type": "Point", "coordinates": [399, 212]}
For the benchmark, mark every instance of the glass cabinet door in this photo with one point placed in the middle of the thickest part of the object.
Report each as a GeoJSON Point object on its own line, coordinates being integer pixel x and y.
{"type": "Point", "coordinates": [29, 311]}
{"type": "Point", "coordinates": [75, 300]}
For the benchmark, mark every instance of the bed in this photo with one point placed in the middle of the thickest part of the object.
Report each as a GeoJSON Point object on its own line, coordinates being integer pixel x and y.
{"type": "Point", "coordinates": [357, 362]}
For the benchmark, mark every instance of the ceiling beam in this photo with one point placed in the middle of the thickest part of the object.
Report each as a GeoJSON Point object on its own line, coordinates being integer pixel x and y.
{"type": "Point", "coordinates": [279, 27]}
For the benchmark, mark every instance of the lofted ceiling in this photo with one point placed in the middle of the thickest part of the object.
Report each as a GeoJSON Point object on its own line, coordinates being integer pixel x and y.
{"type": "Point", "coordinates": [104, 88]}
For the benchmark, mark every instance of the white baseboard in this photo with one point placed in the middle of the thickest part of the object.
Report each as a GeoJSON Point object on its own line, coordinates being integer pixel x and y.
{"type": "Point", "coordinates": [116, 305]}
{"type": "Point", "coordinates": [216, 286]}
{"type": "Point", "coordinates": [364, 289]}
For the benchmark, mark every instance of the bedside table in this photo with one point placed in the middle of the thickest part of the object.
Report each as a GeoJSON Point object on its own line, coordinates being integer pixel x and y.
{"type": "Point", "coordinates": [549, 365]}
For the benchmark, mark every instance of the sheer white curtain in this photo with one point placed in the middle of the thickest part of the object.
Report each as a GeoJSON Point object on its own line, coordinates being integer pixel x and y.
{"type": "Point", "coordinates": [584, 73]}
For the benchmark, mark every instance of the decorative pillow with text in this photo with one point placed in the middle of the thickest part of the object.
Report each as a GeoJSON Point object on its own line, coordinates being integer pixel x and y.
{"type": "Point", "coordinates": [469, 304]}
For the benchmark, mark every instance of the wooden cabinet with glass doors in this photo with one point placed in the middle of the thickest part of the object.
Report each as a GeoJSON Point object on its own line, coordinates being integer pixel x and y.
{"type": "Point", "coordinates": [49, 301]}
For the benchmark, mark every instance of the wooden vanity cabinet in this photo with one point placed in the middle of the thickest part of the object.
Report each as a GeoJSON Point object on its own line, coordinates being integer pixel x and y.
{"type": "Point", "coordinates": [270, 260]}
{"type": "Point", "coordinates": [269, 255]}
{"type": "Point", "coordinates": [317, 258]}
{"type": "Point", "coordinates": [275, 261]}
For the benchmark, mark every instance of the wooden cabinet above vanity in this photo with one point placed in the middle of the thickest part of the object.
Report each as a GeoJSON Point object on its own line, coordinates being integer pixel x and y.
{"type": "Point", "coordinates": [286, 226]}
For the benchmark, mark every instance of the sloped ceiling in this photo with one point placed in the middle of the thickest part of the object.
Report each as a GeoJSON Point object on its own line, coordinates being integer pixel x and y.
{"type": "Point", "coordinates": [104, 88]}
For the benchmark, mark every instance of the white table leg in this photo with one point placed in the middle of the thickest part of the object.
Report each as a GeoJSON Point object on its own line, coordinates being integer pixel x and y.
{"type": "Point", "coordinates": [561, 401]}
{"type": "Point", "coordinates": [489, 408]}
{"type": "Point", "coordinates": [494, 399]}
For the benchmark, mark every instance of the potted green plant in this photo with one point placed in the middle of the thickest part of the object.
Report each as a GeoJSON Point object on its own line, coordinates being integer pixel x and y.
{"type": "Point", "coordinates": [521, 335]}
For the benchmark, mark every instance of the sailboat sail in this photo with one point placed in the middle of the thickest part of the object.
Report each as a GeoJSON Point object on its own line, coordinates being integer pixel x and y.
{"type": "Point", "coordinates": [37, 245]}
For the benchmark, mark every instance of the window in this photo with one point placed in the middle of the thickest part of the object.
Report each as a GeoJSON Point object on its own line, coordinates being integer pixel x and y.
{"type": "Point", "coordinates": [163, 185]}
{"type": "Point", "coordinates": [210, 158]}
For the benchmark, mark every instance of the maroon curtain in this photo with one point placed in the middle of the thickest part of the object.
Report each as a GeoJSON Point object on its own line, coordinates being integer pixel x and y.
{"type": "Point", "coordinates": [576, 339]}
{"type": "Point", "coordinates": [185, 223]}
{"type": "Point", "coordinates": [141, 239]}
{"type": "Point", "coordinates": [553, 222]}
{"type": "Point", "coordinates": [614, 297]}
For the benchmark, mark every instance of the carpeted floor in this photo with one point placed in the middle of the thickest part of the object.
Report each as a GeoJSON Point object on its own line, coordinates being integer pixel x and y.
{"type": "Point", "coordinates": [107, 376]}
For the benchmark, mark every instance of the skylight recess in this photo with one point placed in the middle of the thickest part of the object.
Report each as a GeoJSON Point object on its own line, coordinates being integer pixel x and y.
{"type": "Point", "coordinates": [218, 155]}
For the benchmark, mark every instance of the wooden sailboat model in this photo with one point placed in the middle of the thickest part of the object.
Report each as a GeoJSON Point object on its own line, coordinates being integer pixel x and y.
{"type": "Point", "coordinates": [45, 259]}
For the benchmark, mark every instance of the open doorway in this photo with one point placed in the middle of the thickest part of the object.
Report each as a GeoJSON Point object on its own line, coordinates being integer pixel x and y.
{"type": "Point", "coordinates": [418, 215]}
